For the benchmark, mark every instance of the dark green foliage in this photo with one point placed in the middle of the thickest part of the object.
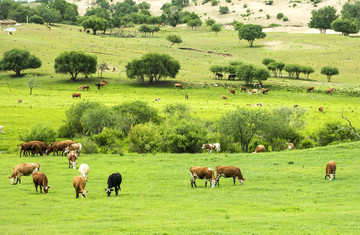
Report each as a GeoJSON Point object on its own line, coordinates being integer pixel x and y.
{"type": "Point", "coordinates": [293, 70]}
{"type": "Point", "coordinates": [49, 15]}
{"type": "Point", "coordinates": [267, 61]}
{"type": "Point", "coordinates": [321, 19]}
{"type": "Point", "coordinates": [143, 138]}
{"type": "Point", "coordinates": [210, 22]}
{"type": "Point", "coordinates": [148, 29]}
{"type": "Point", "coordinates": [279, 16]}
{"type": "Point", "coordinates": [95, 23]}
{"type": "Point", "coordinates": [36, 19]}
{"type": "Point", "coordinates": [329, 71]}
{"type": "Point", "coordinates": [18, 60]}
{"type": "Point", "coordinates": [351, 11]}
{"type": "Point", "coordinates": [174, 39]}
{"type": "Point", "coordinates": [99, 12]}
{"type": "Point", "coordinates": [216, 28]}
{"type": "Point", "coordinates": [345, 26]}
{"type": "Point", "coordinates": [39, 132]}
{"type": "Point", "coordinates": [307, 70]}
{"type": "Point", "coordinates": [250, 32]}
{"type": "Point", "coordinates": [214, 2]}
{"type": "Point", "coordinates": [223, 10]}
{"type": "Point", "coordinates": [238, 26]}
{"type": "Point", "coordinates": [179, 110]}
{"type": "Point", "coordinates": [285, 18]}
{"type": "Point", "coordinates": [270, 2]}
{"type": "Point", "coordinates": [88, 146]}
{"type": "Point", "coordinates": [94, 121]}
{"type": "Point", "coordinates": [307, 143]}
{"type": "Point", "coordinates": [216, 69]}
{"type": "Point", "coordinates": [331, 132]}
{"type": "Point", "coordinates": [19, 12]}
{"type": "Point", "coordinates": [194, 23]}
{"type": "Point", "coordinates": [109, 141]}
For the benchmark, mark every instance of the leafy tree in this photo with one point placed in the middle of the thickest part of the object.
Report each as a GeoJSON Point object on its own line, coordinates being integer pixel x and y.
{"type": "Point", "coordinates": [18, 60]}
{"type": "Point", "coordinates": [250, 32]}
{"type": "Point", "coordinates": [19, 12]}
{"type": "Point", "coordinates": [307, 70]}
{"type": "Point", "coordinates": [75, 62]}
{"type": "Point", "coordinates": [267, 61]}
{"type": "Point", "coordinates": [216, 69]}
{"type": "Point", "coordinates": [279, 16]}
{"type": "Point", "coordinates": [351, 11]}
{"type": "Point", "coordinates": [210, 22]}
{"type": "Point", "coordinates": [102, 67]}
{"type": "Point", "coordinates": [36, 19]}
{"type": "Point", "coordinates": [173, 16]}
{"type": "Point", "coordinates": [293, 70]}
{"type": "Point", "coordinates": [95, 23]}
{"type": "Point", "coordinates": [194, 23]}
{"type": "Point", "coordinates": [187, 16]}
{"type": "Point", "coordinates": [223, 10]}
{"type": "Point", "coordinates": [246, 72]}
{"type": "Point", "coordinates": [345, 26]}
{"type": "Point", "coordinates": [329, 71]}
{"type": "Point", "coordinates": [261, 74]}
{"type": "Point", "coordinates": [321, 19]}
{"type": "Point", "coordinates": [49, 15]}
{"type": "Point", "coordinates": [174, 39]}
{"type": "Point", "coordinates": [145, 29]}
{"type": "Point", "coordinates": [153, 66]}
{"type": "Point", "coordinates": [71, 13]}
{"type": "Point", "coordinates": [99, 12]}
{"type": "Point", "coordinates": [144, 6]}
{"type": "Point", "coordinates": [216, 28]}
{"type": "Point", "coordinates": [238, 26]}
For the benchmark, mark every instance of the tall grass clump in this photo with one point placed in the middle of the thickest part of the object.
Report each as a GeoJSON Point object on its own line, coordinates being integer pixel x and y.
{"type": "Point", "coordinates": [39, 132]}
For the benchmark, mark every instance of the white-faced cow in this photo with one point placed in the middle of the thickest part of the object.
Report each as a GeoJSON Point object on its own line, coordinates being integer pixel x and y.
{"type": "Point", "coordinates": [330, 170]}
{"type": "Point", "coordinates": [290, 146]}
{"type": "Point", "coordinates": [72, 157]}
{"type": "Point", "coordinates": [211, 147]}
{"type": "Point", "coordinates": [23, 169]}
{"type": "Point", "coordinates": [202, 172]}
{"type": "Point", "coordinates": [41, 180]}
{"type": "Point", "coordinates": [114, 181]}
{"type": "Point", "coordinates": [259, 148]}
{"type": "Point", "coordinates": [79, 184]}
{"type": "Point", "coordinates": [228, 172]}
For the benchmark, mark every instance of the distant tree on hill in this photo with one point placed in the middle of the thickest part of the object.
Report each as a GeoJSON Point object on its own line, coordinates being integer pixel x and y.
{"type": "Point", "coordinates": [216, 28]}
{"type": "Point", "coordinates": [18, 60]}
{"type": "Point", "coordinates": [210, 22]}
{"type": "Point", "coordinates": [223, 10]}
{"type": "Point", "coordinates": [321, 19]}
{"type": "Point", "coordinates": [307, 70]}
{"type": "Point", "coordinates": [95, 23]}
{"type": "Point", "coordinates": [49, 15]}
{"type": "Point", "coordinates": [102, 67]}
{"type": "Point", "coordinates": [345, 26]}
{"type": "Point", "coordinates": [194, 23]}
{"type": "Point", "coordinates": [36, 19]}
{"type": "Point", "coordinates": [250, 32]}
{"type": "Point", "coordinates": [174, 39]}
{"type": "Point", "coordinates": [329, 71]}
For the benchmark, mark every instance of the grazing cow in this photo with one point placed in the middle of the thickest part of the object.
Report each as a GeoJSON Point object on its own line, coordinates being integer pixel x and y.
{"type": "Point", "coordinates": [330, 170]}
{"type": "Point", "coordinates": [211, 147]}
{"type": "Point", "coordinates": [259, 148]}
{"type": "Point", "coordinates": [33, 148]}
{"type": "Point", "coordinates": [223, 97]}
{"type": "Point", "coordinates": [79, 184]}
{"type": "Point", "coordinates": [178, 85]}
{"type": "Point", "coordinates": [296, 106]}
{"type": "Point", "coordinates": [330, 90]}
{"type": "Point", "coordinates": [114, 181]}
{"type": "Point", "coordinates": [232, 91]}
{"type": "Point", "coordinates": [23, 169]}
{"type": "Point", "coordinates": [84, 170]}
{"type": "Point", "coordinates": [114, 69]}
{"type": "Point", "coordinates": [48, 26]}
{"type": "Point", "coordinates": [257, 84]}
{"type": "Point", "coordinates": [74, 95]}
{"type": "Point", "coordinates": [309, 89]}
{"type": "Point", "coordinates": [1, 129]}
{"type": "Point", "coordinates": [321, 109]}
{"type": "Point", "coordinates": [290, 146]}
{"type": "Point", "coordinates": [255, 105]}
{"type": "Point", "coordinates": [84, 87]}
{"type": "Point", "coordinates": [19, 101]}
{"type": "Point", "coordinates": [41, 180]}
{"type": "Point", "coordinates": [227, 172]}
{"type": "Point", "coordinates": [202, 173]}
{"type": "Point", "coordinates": [80, 30]}
{"type": "Point", "coordinates": [242, 88]}
{"type": "Point", "coordinates": [157, 99]}
{"type": "Point", "coordinates": [186, 96]}
{"type": "Point", "coordinates": [10, 33]}
{"type": "Point", "coordinates": [73, 147]}
{"type": "Point", "coordinates": [104, 81]}
{"type": "Point", "coordinates": [72, 156]}
{"type": "Point", "coordinates": [57, 147]}
{"type": "Point", "coordinates": [264, 91]}
{"type": "Point", "coordinates": [254, 91]}
{"type": "Point", "coordinates": [219, 75]}
{"type": "Point", "coordinates": [231, 76]}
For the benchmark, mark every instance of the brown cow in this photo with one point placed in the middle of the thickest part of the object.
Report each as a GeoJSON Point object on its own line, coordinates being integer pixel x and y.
{"type": "Point", "coordinates": [330, 170]}
{"type": "Point", "coordinates": [254, 91]}
{"type": "Point", "coordinates": [41, 180]}
{"type": "Point", "coordinates": [264, 91]}
{"type": "Point", "coordinates": [330, 90]}
{"type": "Point", "coordinates": [87, 87]}
{"type": "Point", "coordinates": [242, 88]}
{"type": "Point", "coordinates": [72, 156]}
{"type": "Point", "coordinates": [23, 169]}
{"type": "Point", "coordinates": [211, 147]}
{"type": "Point", "coordinates": [259, 148]}
{"type": "Point", "coordinates": [33, 147]}
{"type": "Point", "coordinates": [59, 146]}
{"type": "Point", "coordinates": [309, 89]}
{"type": "Point", "coordinates": [19, 101]}
{"type": "Point", "coordinates": [104, 81]}
{"type": "Point", "coordinates": [74, 95]}
{"type": "Point", "coordinates": [227, 172]}
{"type": "Point", "coordinates": [79, 184]}
{"type": "Point", "coordinates": [223, 97]}
{"type": "Point", "coordinates": [321, 109]}
{"type": "Point", "coordinates": [202, 173]}
{"type": "Point", "coordinates": [290, 146]}
{"type": "Point", "coordinates": [296, 106]}
{"type": "Point", "coordinates": [178, 85]}
{"type": "Point", "coordinates": [232, 91]}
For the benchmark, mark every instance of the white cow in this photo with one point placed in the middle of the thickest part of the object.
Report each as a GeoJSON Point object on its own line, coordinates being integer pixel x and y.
{"type": "Point", "coordinates": [84, 170]}
{"type": "Point", "coordinates": [211, 147]}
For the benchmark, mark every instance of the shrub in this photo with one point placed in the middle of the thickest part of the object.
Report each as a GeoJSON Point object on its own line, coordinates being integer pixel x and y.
{"type": "Point", "coordinates": [109, 141]}
{"type": "Point", "coordinates": [307, 143]}
{"type": "Point", "coordinates": [228, 1]}
{"type": "Point", "coordinates": [94, 120]}
{"type": "Point", "coordinates": [269, 2]}
{"type": "Point", "coordinates": [143, 138]}
{"type": "Point", "coordinates": [36, 19]}
{"type": "Point", "coordinates": [279, 16]}
{"type": "Point", "coordinates": [214, 2]}
{"type": "Point", "coordinates": [267, 16]}
{"type": "Point", "coordinates": [179, 110]}
{"type": "Point", "coordinates": [330, 132]}
{"type": "Point", "coordinates": [224, 10]}
{"type": "Point", "coordinates": [285, 18]}
{"type": "Point", "coordinates": [39, 132]}
{"type": "Point", "coordinates": [245, 5]}
{"type": "Point", "coordinates": [88, 146]}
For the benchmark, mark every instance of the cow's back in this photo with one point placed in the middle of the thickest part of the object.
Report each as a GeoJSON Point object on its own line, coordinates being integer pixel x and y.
{"type": "Point", "coordinates": [27, 168]}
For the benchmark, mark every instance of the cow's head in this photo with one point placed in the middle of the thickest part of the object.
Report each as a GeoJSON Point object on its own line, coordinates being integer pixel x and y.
{"type": "Point", "coordinates": [213, 183]}
{"type": "Point", "coordinates": [46, 189]}
{"type": "Point", "coordinates": [12, 180]}
{"type": "Point", "coordinates": [331, 176]}
{"type": "Point", "coordinates": [73, 164]}
{"type": "Point", "coordinates": [108, 191]}
{"type": "Point", "coordinates": [47, 151]}
{"type": "Point", "coordinates": [83, 194]}
{"type": "Point", "coordinates": [242, 181]}
{"type": "Point", "coordinates": [204, 146]}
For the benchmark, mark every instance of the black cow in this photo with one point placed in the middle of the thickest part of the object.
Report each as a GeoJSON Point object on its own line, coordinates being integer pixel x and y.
{"type": "Point", "coordinates": [114, 180]}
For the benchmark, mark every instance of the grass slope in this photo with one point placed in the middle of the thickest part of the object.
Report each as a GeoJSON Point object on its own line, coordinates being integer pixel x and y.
{"type": "Point", "coordinates": [283, 193]}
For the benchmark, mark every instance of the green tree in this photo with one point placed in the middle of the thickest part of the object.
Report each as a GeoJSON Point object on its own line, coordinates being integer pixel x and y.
{"type": "Point", "coordinates": [267, 61]}
{"type": "Point", "coordinates": [345, 26]}
{"type": "Point", "coordinates": [75, 62]}
{"type": "Point", "coordinates": [351, 11]}
{"type": "Point", "coordinates": [71, 13]}
{"type": "Point", "coordinates": [329, 71]}
{"type": "Point", "coordinates": [250, 32]}
{"type": "Point", "coordinates": [19, 12]}
{"type": "Point", "coordinates": [174, 39]}
{"type": "Point", "coordinates": [246, 72]}
{"type": "Point", "coordinates": [49, 15]}
{"type": "Point", "coordinates": [145, 29]}
{"type": "Point", "coordinates": [307, 70]}
{"type": "Point", "coordinates": [210, 22]}
{"type": "Point", "coordinates": [99, 12]}
{"type": "Point", "coordinates": [95, 23]}
{"type": "Point", "coordinates": [194, 23]}
{"type": "Point", "coordinates": [36, 19]}
{"type": "Point", "coordinates": [216, 69]}
{"type": "Point", "coordinates": [154, 66]}
{"type": "Point", "coordinates": [216, 28]}
{"type": "Point", "coordinates": [261, 74]}
{"type": "Point", "coordinates": [102, 67]}
{"type": "Point", "coordinates": [238, 26]}
{"type": "Point", "coordinates": [321, 19]}
{"type": "Point", "coordinates": [223, 10]}
{"type": "Point", "coordinates": [18, 60]}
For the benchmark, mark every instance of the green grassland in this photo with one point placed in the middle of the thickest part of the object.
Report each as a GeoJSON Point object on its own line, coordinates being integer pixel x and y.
{"type": "Point", "coordinates": [284, 193]}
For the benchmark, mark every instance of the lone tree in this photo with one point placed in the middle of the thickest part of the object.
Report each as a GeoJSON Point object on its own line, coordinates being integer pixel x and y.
{"type": "Point", "coordinates": [216, 28]}
{"type": "Point", "coordinates": [75, 62]}
{"type": "Point", "coordinates": [174, 39]}
{"type": "Point", "coordinates": [153, 66]}
{"type": "Point", "coordinates": [250, 32]}
{"type": "Point", "coordinates": [345, 26]}
{"type": "Point", "coordinates": [95, 23]}
{"type": "Point", "coordinates": [17, 60]}
{"type": "Point", "coordinates": [329, 71]}
{"type": "Point", "coordinates": [321, 19]}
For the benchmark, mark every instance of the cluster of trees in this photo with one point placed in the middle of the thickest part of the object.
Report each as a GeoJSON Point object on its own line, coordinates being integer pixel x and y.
{"type": "Point", "coordinates": [294, 70]}
{"type": "Point", "coordinates": [327, 18]}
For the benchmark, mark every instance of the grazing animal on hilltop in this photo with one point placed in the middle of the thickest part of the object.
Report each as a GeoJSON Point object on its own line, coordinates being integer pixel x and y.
{"type": "Point", "coordinates": [202, 173]}
{"type": "Point", "coordinates": [41, 180]}
{"type": "Point", "coordinates": [219, 75]}
{"type": "Point", "coordinates": [79, 184]}
{"type": "Point", "coordinates": [84, 87]}
{"type": "Point", "coordinates": [231, 76]}
{"type": "Point", "coordinates": [84, 170]}
{"type": "Point", "coordinates": [232, 91]}
{"type": "Point", "coordinates": [72, 157]}
{"type": "Point", "coordinates": [227, 172]}
{"type": "Point", "coordinates": [330, 90]}
{"type": "Point", "coordinates": [259, 148]}
{"type": "Point", "coordinates": [290, 146]}
{"type": "Point", "coordinates": [211, 147]}
{"type": "Point", "coordinates": [178, 85]}
{"type": "Point", "coordinates": [114, 180]}
{"type": "Point", "coordinates": [330, 170]}
{"type": "Point", "coordinates": [74, 95]}
{"type": "Point", "coordinates": [223, 97]}
{"type": "Point", "coordinates": [309, 89]}
{"type": "Point", "coordinates": [321, 109]}
{"type": "Point", "coordinates": [23, 169]}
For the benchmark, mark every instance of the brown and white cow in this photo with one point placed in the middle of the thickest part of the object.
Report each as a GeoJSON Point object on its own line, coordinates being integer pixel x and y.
{"type": "Point", "coordinates": [72, 157]}
{"type": "Point", "coordinates": [211, 147]}
{"type": "Point", "coordinates": [264, 91]}
{"type": "Point", "coordinates": [243, 88]}
{"type": "Point", "coordinates": [87, 87]}
{"type": "Point", "coordinates": [259, 148]}
{"type": "Point", "coordinates": [178, 85]}
{"type": "Point", "coordinates": [41, 180]}
{"type": "Point", "coordinates": [290, 146]}
{"type": "Point", "coordinates": [23, 169]}
{"type": "Point", "coordinates": [321, 109]}
{"type": "Point", "coordinates": [57, 147]}
{"type": "Point", "coordinates": [74, 95]}
{"type": "Point", "coordinates": [223, 97]}
{"type": "Point", "coordinates": [232, 91]}
{"type": "Point", "coordinates": [330, 170]}
{"type": "Point", "coordinates": [202, 172]}
{"type": "Point", "coordinates": [79, 184]}
{"type": "Point", "coordinates": [227, 172]}
{"type": "Point", "coordinates": [73, 147]}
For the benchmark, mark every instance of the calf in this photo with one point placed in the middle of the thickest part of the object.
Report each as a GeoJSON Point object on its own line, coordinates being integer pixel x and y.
{"type": "Point", "coordinates": [202, 173]}
{"type": "Point", "coordinates": [242, 88]}
{"type": "Point", "coordinates": [114, 180]}
{"type": "Point", "coordinates": [19, 101]}
{"type": "Point", "coordinates": [84, 170]}
{"type": "Point", "coordinates": [41, 180]}
{"type": "Point", "coordinates": [73, 147]}
{"type": "Point", "coordinates": [79, 184]}
{"type": "Point", "coordinates": [74, 95]}
{"type": "Point", "coordinates": [178, 85]}
{"type": "Point", "coordinates": [223, 97]}
{"type": "Point", "coordinates": [72, 157]}
{"type": "Point", "coordinates": [211, 147]}
{"type": "Point", "coordinates": [330, 170]}
{"type": "Point", "coordinates": [232, 91]}
{"type": "Point", "coordinates": [227, 172]}
{"type": "Point", "coordinates": [259, 148]}
{"type": "Point", "coordinates": [309, 89]}
{"type": "Point", "coordinates": [23, 169]}
{"type": "Point", "coordinates": [330, 90]}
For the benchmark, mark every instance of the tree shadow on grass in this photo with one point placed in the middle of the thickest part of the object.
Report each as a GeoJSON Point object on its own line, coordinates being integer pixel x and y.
{"type": "Point", "coordinates": [160, 84]}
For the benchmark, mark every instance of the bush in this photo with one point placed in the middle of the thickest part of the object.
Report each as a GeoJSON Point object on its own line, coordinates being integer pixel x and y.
{"type": "Point", "coordinates": [228, 1]}
{"type": "Point", "coordinates": [179, 110]}
{"type": "Point", "coordinates": [88, 146]}
{"type": "Point", "coordinates": [330, 133]}
{"type": "Point", "coordinates": [39, 132]}
{"type": "Point", "coordinates": [36, 19]}
{"type": "Point", "coordinates": [267, 16]}
{"type": "Point", "coordinates": [285, 18]}
{"type": "Point", "coordinates": [95, 120]}
{"type": "Point", "coordinates": [269, 2]}
{"type": "Point", "coordinates": [307, 143]}
{"type": "Point", "coordinates": [109, 141]}
{"type": "Point", "coordinates": [279, 16]}
{"type": "Point", "coordinates": [224, 10]}
{"type": "Point", "coordinates": [214, 2]}
{"type": "Point", "coordinates": [143, 138]}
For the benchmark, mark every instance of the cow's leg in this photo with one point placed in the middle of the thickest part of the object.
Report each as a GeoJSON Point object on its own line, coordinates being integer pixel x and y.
{"type": "Point", "coordinates": [217, 179]}
{"type": "Point", "coordinates": [77, 195]}
{"type": "Point", "coordinates": [325, 176]}
{"type": "Point", "coordinates": [69, 163]}
{"type": "Point", "coordinates": [40, 189]}
{"type": "Point", "coordinates": [116, 190]}
{"type": "Point", "coordinates": [234, 178]}
{"type": "Point", "coordinates": [205, 183]}
{"type": "Point", "coordinates": [36, 187]}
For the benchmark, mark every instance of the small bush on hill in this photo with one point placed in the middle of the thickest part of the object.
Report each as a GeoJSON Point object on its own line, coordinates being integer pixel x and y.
{"type": "Point", "coordinates": [279, 16]}
{"type": "Point", "coordinates": [39, 132]}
